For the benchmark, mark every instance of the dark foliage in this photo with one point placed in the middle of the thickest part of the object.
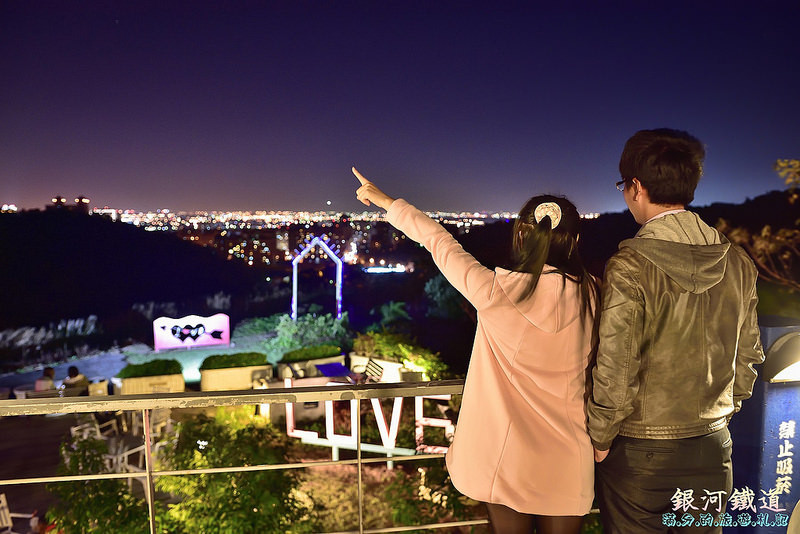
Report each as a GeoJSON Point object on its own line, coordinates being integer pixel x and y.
{"type": "Point", "coordinates": [312, 353]}
{"type": "Point", "coordinates": [65, 264]}
{"type": "Point", "coordinates": [239, 359]}
{"type": "Point", "coordinates": [151, 368]}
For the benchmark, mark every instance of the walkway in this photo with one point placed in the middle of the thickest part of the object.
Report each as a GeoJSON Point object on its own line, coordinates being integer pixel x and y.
{"type": "Point", "coordinates": [30, 448]}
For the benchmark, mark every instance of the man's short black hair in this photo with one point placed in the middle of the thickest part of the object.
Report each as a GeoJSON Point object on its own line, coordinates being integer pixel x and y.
{"type": "Point", "coordinates": [667, 162]}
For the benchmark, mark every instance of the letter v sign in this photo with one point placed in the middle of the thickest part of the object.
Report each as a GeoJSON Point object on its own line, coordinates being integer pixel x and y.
{"type": "Point", "coordinates": [388, 435]}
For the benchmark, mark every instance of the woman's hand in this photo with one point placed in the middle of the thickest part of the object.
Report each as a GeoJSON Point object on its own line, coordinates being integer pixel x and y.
{"type": "Point", "coordinates": [369, 193]}
{"type": "Point", "coordinates": [599, 456]}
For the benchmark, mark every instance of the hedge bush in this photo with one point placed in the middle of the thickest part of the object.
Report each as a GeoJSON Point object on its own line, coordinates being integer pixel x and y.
{"type": "Point", "coordinates": [312, 353]}
{"type": "Point", "coordinates": [239, 359]}
{"type": "Point", "coordinates": [151, 368]}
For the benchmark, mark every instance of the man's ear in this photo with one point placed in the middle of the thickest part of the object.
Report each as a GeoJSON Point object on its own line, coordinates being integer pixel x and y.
{"type": "Point", "coordinates": [637, 188]}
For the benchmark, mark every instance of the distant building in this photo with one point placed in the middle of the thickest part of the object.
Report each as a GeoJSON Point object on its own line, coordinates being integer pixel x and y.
{"type": "Point", "coordinates": [60, 203]}
{"type": "Point", "coordinates": [82, 204]}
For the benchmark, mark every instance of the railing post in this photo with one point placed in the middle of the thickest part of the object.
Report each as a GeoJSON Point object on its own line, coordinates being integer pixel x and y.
{"type": "Point", "coordinates": [358, 465]}
{"type": "Point", "coordinates": [148, 465]}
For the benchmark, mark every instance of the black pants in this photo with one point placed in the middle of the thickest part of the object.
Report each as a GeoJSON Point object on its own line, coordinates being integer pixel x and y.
{"type": "Point", "coordinates": [641, 480]}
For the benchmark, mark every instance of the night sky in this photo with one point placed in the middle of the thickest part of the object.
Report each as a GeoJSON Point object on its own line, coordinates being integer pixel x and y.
{"type": "Point", "coordinates": [452, 105]}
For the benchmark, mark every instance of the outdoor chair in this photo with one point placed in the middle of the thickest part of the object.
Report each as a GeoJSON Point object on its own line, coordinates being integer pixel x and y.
{"type": "Point", "coordinates": [373, 371]}
{"type": "Point", "coordinates": [7, 518]}
{"type": "Point", "coordinates": [88, 426]}
{"type": "Point", "coordinates": [170, 439]}
{"type": "Point", "coordinates": [123, 460]}
{"type": "Point", "coordinates": [99, 388]}
{"type": "Point", "coordinates": [160, 422]}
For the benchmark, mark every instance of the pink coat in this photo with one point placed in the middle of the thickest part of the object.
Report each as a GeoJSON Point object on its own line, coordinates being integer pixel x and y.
{"type": "Point", "coordinates": [521, 438]}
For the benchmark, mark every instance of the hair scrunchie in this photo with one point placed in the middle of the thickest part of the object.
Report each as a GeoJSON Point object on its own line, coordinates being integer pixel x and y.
{"type": "Point", "coordinates": [548, 209]}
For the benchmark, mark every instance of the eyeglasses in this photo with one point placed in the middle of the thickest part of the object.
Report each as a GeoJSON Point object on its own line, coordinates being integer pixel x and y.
{"type": "Point", "coordinates": [620, 186]}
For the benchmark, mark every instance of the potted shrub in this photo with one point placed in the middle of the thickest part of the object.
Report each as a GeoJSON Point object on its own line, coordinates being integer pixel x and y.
{"type": "Point", "coordinates": [400, 358]}
{"type": "Point", "coordinates": [303, 361]}
{"type": "Point", "coordinates": [223, 372]}
{"type": "Point", "coordinates": [306, 331]}
{"type": "Point", "coordinates": [155, 376]}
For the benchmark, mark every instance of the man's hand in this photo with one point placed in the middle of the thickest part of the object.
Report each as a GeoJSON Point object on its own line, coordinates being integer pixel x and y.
{"type": "Point", "coordinates": [368, 192]}
{"type": "Point", "coordinates": [599, 456]}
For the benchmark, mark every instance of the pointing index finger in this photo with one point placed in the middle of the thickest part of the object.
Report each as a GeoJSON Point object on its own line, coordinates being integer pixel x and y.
{"type": "Point", "coordinates": [360, 177]}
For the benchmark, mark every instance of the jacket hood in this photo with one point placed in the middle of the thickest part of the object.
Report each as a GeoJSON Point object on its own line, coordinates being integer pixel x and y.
{"type": "Point", "coordinates": [686, 249]}
{"type": "Point", "coordinates": [554, 305]}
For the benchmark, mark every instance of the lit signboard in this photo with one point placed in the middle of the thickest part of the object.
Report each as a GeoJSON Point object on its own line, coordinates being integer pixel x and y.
{"type": "Point", "coordinates": [388, 430]}
{"type": "Point", "coordinates": [191, 331]}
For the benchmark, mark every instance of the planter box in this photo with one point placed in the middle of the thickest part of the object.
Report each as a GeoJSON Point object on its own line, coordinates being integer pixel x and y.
{"type": "Point", "coordinates": [234, 378]}
{"type": "Point", "coordinates": [305, 368]}
{"type": "Point", "coordinates": [411, 376]}
{"type": "Point", "coordinates": [391, 370]}
{"type": "Point", "coordinates": [149, 384]}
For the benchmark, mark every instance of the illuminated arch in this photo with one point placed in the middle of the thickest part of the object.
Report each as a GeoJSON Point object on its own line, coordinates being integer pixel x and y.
{"type": "Point", "coordinates": [331, 254]}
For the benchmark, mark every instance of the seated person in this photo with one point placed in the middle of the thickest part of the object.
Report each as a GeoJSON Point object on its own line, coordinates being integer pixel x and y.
{"type": "Point", "coordinates": [45, 382]}
{"type": "Point", "coordinates": [75, 379]}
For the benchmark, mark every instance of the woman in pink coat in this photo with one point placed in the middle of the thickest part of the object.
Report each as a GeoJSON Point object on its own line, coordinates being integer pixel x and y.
{"type": "Point", "coordinates": [521, 444]}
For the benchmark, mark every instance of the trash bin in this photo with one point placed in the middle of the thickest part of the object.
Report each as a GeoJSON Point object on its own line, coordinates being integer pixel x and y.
{"type": "Point", "coordinates": [766, 437]}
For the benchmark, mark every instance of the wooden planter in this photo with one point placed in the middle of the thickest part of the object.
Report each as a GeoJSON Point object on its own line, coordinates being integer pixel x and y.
{"type": "Point", "coordinates": [149, 384]}
{"type": "Point", "coordinates": [391, 370]}
{"type": "Point", "coordinates": [234, 378]}
{"type": "Point", "coordinates": [407, 375]}
{"type": "Point", "coordinates": [305, 368]}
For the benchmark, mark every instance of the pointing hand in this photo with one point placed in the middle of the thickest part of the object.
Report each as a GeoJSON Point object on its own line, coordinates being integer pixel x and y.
{"type": "Point", "coordinates": [369, 192]}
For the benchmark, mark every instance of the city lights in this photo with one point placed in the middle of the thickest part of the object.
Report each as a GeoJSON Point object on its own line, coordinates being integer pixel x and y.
{"type": "Point", "coordinates": [388, 269]}
{"type": "Point", "coordinates": [273, 239]}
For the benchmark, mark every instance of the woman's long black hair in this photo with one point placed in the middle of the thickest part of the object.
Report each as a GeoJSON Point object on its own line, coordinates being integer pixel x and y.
{"type": "Point", "coordinates": [538, 243]}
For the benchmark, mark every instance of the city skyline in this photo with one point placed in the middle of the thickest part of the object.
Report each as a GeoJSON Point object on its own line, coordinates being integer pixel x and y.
{"type": "Point", "coordinates": [456, 107]}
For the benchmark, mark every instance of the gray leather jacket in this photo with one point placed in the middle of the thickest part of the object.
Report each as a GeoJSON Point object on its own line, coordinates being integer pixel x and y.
{"type": "Point", "coordinates": [678, 334]}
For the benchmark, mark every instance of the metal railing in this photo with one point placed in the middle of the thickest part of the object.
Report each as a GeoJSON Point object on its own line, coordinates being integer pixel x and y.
{"type": "Point", "coordinates": [147, 402]}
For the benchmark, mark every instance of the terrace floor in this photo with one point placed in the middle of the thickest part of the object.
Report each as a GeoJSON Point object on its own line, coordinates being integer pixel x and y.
{"type": "Point", "coordinates": [29, 448]}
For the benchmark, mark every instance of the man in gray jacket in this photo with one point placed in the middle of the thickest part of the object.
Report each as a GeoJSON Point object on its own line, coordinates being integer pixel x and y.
{"type": "Point", "coordinates": [678, 341]}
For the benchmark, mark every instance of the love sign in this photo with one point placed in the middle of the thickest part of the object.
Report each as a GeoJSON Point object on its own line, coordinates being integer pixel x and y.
{"type": "Point", "coordinates": [191, 331]}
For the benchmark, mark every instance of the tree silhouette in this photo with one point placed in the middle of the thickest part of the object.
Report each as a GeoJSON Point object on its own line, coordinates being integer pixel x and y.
{"type": "Point", "coordinates": [774, 251]}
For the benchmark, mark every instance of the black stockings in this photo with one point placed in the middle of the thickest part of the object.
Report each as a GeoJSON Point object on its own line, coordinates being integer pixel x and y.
{"type": "Point", "coordinates": [505, 520]}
